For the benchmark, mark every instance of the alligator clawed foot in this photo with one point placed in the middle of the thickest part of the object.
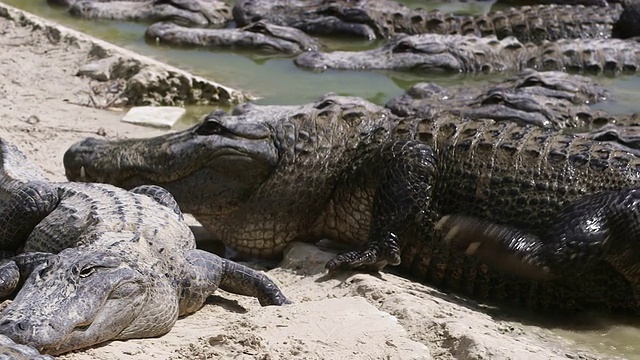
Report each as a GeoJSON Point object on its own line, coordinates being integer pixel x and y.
{"type": "Point", "coordinates": [372, 259]}
{"type": "Point", "coordinates": [9, 278]}
{"type": "Point", "coordinates": [503, 247]}
{"type": "Point", "coordinates": [461, 233]}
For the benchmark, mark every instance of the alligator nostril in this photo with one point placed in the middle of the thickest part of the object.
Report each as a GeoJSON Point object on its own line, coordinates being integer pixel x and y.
{"type": "Point", "coordinates": [22, 325]}
{"type": "Point", "coordinates": [13, 326]}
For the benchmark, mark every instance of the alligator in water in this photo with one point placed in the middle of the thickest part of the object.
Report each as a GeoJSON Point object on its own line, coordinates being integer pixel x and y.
{"type": "Point", "coordinates": [347, 170]}
{"type": "Point", "coordinates": [259, 35]}
{"type": "Point", "coordinates": [471, 54]}
{"type": "Point", "coordinates": [200, 13]}
{"type": "Point", "coordinates": [384, 18]}
{"type": "Point", "coordinates": [549, 99]}
{"type": "Point", "coordinates": [102, 263]}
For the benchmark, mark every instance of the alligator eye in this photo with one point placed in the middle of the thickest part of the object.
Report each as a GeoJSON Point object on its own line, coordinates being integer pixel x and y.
{"type": "Point", "coordinates": [530, 81]}
{"type": "Point", "coordinates": [211, 127]}
{"type": "Point", "coordinates": [493, 99]}
{"type": "Point", "coordinates": [325, 104]}
{"type": "Point", "coordinates": [88, 271]}
{"type": "Point", "coordinates": [402, 47]}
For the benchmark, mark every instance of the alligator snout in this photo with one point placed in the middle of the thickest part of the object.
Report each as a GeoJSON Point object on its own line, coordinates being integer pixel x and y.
{"type": "Point", "coordinates": [78, 156]}
{"type": "Point", "coordinates": [19, 330]}
{"type": "Point", "coordinates": [311, 60]}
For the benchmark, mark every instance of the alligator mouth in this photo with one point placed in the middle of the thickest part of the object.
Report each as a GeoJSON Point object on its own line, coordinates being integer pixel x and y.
{"type": "Point", "coordinates": [87, 175]}
{"type": "Point", "coordinates": [54, 350]}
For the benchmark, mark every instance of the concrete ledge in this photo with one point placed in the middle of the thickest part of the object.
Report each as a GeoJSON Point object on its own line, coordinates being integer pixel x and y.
{"type": "Point", "coordinates": [148, 81]}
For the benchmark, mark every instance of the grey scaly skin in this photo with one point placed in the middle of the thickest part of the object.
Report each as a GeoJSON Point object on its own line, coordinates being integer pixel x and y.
{"type": "Point", "coordinates": [470, 54]}
{"type": "Point", "coordinates": [9, 350]}
{"type": "Point", "coordinates": [548, 99]}
{"type": "Point", "coordinates": [256, 36]}
{"type": "Point", "coordinates": [105, 263]}
{"type": "Point", "coordinates": [344, 169]}
{"type": "Point", "coordinates": [384, 18]}
{"type": "Point", "coordinates": [189, 12]}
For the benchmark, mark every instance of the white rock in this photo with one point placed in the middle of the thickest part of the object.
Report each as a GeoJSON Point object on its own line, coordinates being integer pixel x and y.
{"type": "Point", "coordinates": [157, 116]}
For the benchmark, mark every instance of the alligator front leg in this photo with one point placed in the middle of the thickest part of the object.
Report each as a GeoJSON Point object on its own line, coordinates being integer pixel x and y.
{"type": "Point", "coordinates": [206, 272]}
{"type": "Point", "coordinates": [15, 270]}
{"type": "Point", "coordinates": [601, 227]}
{"type": "Point", "coordinates": [405, 174]}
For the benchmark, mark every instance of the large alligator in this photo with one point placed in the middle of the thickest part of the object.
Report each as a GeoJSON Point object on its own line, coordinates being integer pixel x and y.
{"type": "Point", "coordinates": [384, 18]}
{"type": "Point", "coordinates": [101, 263]}
{"type": "Point", "coordinates": [200, 13]}
{"type": "Point", "coordinates": [471, 54]}
{"type": "Point", "coordinates": [549, 99]}
{"type": "Point", "coordinates": [259, 35]}
{"type": "Point", "coordinates": [347, 170]}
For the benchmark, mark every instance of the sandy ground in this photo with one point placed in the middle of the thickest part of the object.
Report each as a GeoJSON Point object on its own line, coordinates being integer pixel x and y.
{"type": "Point", "coordinates": [357, 316]}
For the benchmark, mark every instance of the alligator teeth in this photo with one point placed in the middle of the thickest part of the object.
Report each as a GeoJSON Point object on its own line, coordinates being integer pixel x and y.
{"type": "Point", "coordinates": [83, 174]}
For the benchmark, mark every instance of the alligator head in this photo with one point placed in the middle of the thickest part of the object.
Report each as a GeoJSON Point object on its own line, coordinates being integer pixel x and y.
{"type": "Point", "coordinates": [232, 167]}
{"type": "Point", "coordinates": [428, 52]}
{"type": "Point", "coordinates": [362, 18]}
{"type": "Point", "coordinates": [79, 298]}
{"type": "Point", "coordinates": [548, 99]}
{"type": "Point", "coordinates": [190, 12]}
{"type": "Point", "coordinates": [238, 153]}
{"type": "Point", "coordinates": [259, 35]}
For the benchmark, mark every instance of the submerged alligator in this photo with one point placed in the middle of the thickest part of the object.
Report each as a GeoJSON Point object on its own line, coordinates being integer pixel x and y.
{"type": "Point", "coordinates": [548, 99]}
{"type": "Point", "coordinates": [345, 169]}
{"type": "Point", "coordinates": [471, 54]}
{"type": "Point", "coordinates": [192, 12]}
{"type": "Point", "coordinates": [102, 263]}
{"type": "Point", "coordinates": [259, 35]}
{"type": "Point", "coordinates": [384, 18]}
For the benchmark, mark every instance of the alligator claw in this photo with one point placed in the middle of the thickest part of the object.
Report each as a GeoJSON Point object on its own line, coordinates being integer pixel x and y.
{"type": "Point", "coordinates": [374, 258]}
{"type": "Point", "coordinates": [493, 244]}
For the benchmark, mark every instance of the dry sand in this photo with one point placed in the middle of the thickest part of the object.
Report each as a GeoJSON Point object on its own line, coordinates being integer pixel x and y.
{"type": "Point", "coordinates": [357, 316]}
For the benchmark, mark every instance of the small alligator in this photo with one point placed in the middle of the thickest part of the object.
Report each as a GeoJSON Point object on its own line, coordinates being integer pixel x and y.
{"type": "Point", "coordinates": [548, 99]}
{"type": "Point", "coordinates": [470, 54]}
{"type": "Point", "coordinates": [384, 18]}
{"type": "Point", "coordinates": [344, 169]}
{"type": "Point", "coordinates": [102, 263]}
{"type": "Point", "coordinates": [259, 35]}
{"type": "Point", "coordinates": [200, 13]}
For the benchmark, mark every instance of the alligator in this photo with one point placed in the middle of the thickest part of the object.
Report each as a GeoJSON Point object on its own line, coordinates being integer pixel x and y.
{"type": "Point", "coordinates": [384, 18]}
{"type": "Point", "coordinates": [201, 13]}
{"type": "Point", "coordinates": [9, 350]}
{"type": "Point", "coordinates": [600, 3]}
{"type": "Point", "coordinates": [471, 54]}
{"type": "Point", "coordinates": [100, 263]}
{"type": "Point", "coordinates": [549, 99]}
{"type": "Point", "coordinates": [258, 35]}
{"type": "Point", "coordinates": [347, 170]}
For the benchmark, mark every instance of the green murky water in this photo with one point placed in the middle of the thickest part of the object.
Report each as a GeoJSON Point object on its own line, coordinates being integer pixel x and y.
{"type": "Point", "coordinates": [276, 80]}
